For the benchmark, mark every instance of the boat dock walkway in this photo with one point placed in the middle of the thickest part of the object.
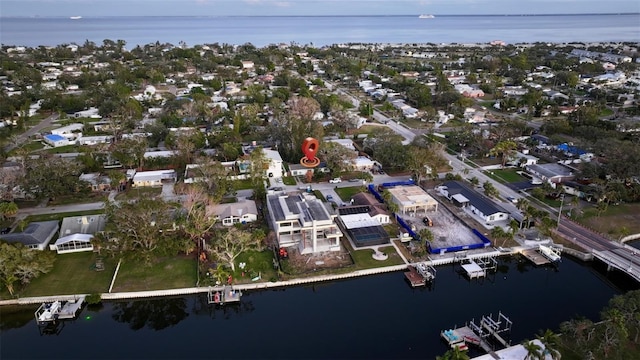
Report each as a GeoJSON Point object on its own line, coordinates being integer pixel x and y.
{"type": "Point", "coordinates": [535, 257]}
{"type": "Point", "coordinates": [478, 333]}
{"type": "Point", "coordinates": [221, 296]}
{"type": "Point", "coordinates": [70, 309]}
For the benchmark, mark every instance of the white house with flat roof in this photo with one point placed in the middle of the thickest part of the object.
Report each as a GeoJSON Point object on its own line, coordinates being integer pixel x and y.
{"type": "Point", "coordinates": [412, 198]}
{"type": "Point", "coordinates": [153, 178]}
{"type": "Point", "coordinates": [56, 140]}
{"type": "Point", "coordinates": [302, 220]}
{"type": "Point", "coordinates": [275, 163]}
{"type": "Point", "coordinates": [69, 129]}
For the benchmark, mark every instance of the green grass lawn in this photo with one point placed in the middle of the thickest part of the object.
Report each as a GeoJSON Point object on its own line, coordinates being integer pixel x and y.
{"type": "Point", "coordinates": [163, 273]}
{"type": "Point", "coordinates": [258, 263]}
{"type": "Point", "coordinates": [72, 274]}
{"type": "Point", "coordinates": [364, 258]}
{"type": "Point", "coordinates": [242, 184]}
{"type": "Point", "coordinates": [79, 199]}
{"type": "Point", "coordinates": [63, 149]}
{"type": "Point", "coordinates": [508, 175]}
{"type": "Point", "coordinates": [346, 193]}
{"type": "Point", "coordinates": [606, 112]}
{"type": "Point", "coordinates": [289, 180]}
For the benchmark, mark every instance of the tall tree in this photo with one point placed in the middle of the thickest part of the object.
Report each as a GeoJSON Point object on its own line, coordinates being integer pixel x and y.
{"type": "Point", "coordinates": [140, 226]}
{"type": "Point", "coordinates": [228, 245]}
{"type": "Point", "coordinates": [19, 263]}
{"type": "Point", "coordinates": [337, 157]}
{"type": "Point", "coordinates": [292, 127]}
{"type": "Point", "coordinates": [505, 148]}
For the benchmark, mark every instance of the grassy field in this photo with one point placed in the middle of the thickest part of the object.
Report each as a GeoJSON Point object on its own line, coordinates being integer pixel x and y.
{"type": "Point", "coordinates": [346, 193]}
{"type": "Point", "coordinates": [319, 195]}
{"type": "Point", "coordinates": [508, 175]}
{"type": "Point", "coordinates": [73, 274]}
{"type": "Point", "coordinates": [613, 220]}
{"type": "Point", "coordinates": [164, 273]}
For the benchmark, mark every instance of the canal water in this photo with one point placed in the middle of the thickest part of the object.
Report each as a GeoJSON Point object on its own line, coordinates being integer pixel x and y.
{"type": "Point", "coordinates": [371, 317]}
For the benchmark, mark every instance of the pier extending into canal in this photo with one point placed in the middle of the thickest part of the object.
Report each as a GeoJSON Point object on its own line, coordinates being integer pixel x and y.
{"type": "Point", "coordinates": [479, 333]}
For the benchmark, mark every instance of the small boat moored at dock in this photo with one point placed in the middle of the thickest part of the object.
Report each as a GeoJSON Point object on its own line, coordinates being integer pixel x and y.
{"type": "Point", "coordinates": [51, 312]}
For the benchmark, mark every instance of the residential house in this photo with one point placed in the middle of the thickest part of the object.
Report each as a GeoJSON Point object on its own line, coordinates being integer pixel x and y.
{"type": "Point", "coordinates": [412, 198]}
{"type": "Point", "coordinates": [153, 178]}
{"type": "Point", "coordinates": [302, 220]}
{"type": "Point", "coordinates": [56, 140]}
{"type": "Point", "coordinates": [94, 140]}
{"type": "Point", "coordinates": [377, 210]}
{"type": "Point", "coordinates": [92, 113]}
{"type": "Point", "coordinates": [76, 233]}
{"type": "Point", "coordinates": [97, 182]}
{"type": "Point", "coordinates": [275, 168]}
{"type": "Point", "coordinates": [362, 230]}
{"type": "Point", "coordinates": [551, 173]}
{"type": "Point", "coordinates": [36, 235]}
{"type": "Point", "coordinates": [70, 131]}
{"type": "Point", "coordinates": [472, 201]}
{"type": "Point", "coordinates": [378, 213]}
{"type": "Point", "coordinates": [242, 212]}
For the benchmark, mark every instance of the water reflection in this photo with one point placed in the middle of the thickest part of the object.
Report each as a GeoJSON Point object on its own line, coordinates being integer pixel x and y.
{"type": "Point", "coordinates": [201, 307]}
{"type": "Point", "coordinates": [154, 314]}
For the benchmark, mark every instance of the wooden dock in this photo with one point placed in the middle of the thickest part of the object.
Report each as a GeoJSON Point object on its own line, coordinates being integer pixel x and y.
{"type": "Point", "coordinates": [420, 274]}
{"type": "Point", "coordinates": [535, 257]}
{"type": "Point", "coordinates": [414, 278]}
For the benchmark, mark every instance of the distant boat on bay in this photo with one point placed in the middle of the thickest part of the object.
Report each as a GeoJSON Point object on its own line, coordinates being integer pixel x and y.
{"type": "Point", "coordinates": [75, 17]}
{"type": "Point", "coordinates": [428, 16]}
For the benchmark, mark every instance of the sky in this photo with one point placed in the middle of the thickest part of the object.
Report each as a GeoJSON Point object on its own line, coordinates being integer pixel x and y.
{"type": "Point", "coordinates": [308, 7]}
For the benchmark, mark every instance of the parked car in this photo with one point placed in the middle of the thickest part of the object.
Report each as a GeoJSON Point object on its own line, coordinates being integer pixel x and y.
{"type": "Point", "coordinates": [335, 181]}
{"type": "Point", "coordinates": [427, 221]}
{"type": "Point", "coordinates": [5, 230]}
{"type": "Point", "coordinates": [355, 180]}
{"type": "Point", "coordinates": [329, 198]}
{"type": "Point", "coordinates": [512, 199]}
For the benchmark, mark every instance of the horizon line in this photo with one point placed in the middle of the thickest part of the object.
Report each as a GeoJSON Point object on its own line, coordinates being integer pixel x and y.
{"type": "Point", "coordinates": [349, 15]}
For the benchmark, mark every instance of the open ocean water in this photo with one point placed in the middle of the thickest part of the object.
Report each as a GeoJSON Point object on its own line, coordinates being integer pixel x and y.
{"type": "Point", "coordinates": [320, 30]}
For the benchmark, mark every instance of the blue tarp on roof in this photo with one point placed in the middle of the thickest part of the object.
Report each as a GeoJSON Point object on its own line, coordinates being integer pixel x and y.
{"type": "Point", "coordinates": [54, 137]}
{"type": "Point", "coordinates": [571, 149]}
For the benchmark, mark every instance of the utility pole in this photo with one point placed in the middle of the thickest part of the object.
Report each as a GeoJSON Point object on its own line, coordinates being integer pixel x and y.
{"type": "Point", "coordinates": [560, 212]}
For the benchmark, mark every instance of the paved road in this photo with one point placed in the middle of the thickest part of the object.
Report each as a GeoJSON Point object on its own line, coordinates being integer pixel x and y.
{"type": "Point", "coordinates": [22, 138]}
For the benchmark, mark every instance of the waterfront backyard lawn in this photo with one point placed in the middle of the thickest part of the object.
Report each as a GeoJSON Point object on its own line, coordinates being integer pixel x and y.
{"type": "Point", "coordinates": [363, 259]}
{"type": "Point", "coordinates": [163, 273]}
{"type": "Point", "coordinates": [72, 274]}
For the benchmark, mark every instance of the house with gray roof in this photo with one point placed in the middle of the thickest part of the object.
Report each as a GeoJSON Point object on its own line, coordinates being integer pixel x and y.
{"type": "Point", "coordinates": [552, 173]}
{"type": "Point", "coordinates": [479, 205]}
{"type": "Point", "coordinates": [301, 220]}
{"type": "Point", "coordinates": [76, 233]}
{"type": "Point", "coordinates": [239, 212]}
{"type": "Point", "coordinates": [36, 235]}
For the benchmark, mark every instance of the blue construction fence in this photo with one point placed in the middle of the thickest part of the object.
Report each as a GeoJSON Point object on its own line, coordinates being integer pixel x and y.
{"type": "Point", "coordinates": [484, 241]}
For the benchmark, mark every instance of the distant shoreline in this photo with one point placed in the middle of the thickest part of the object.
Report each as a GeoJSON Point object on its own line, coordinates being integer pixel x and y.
{"type": "Point", "coordinates": [310, 16]}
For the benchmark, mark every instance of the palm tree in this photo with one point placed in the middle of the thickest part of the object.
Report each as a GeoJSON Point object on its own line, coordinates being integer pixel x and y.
{"type": "Point", "coordinates": [550, 341]}
{"type": "Point", "coordinates": [454, 354]}
{"type": "Point", "coordinates": [534, 351]}
{"type": "Point", "coordinates": [8, 209]}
